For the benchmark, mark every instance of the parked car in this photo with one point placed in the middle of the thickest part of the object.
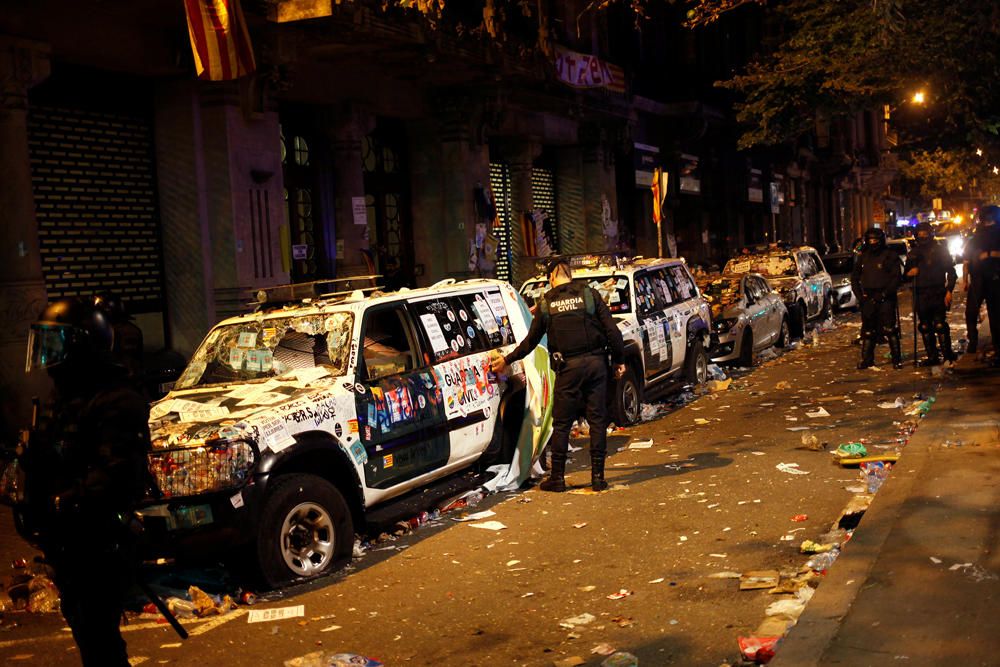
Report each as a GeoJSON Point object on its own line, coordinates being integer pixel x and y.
{"type": "Point", "coordinates": [747, 316]}
{"type": "Point", "coordinates": [290, 424]}
{"type": "Point", "coordinates": [839, 266]}
{"type": "Point", "coordinates": [798, 274]}
{"type": "Point", "coordinates": [662, 317]}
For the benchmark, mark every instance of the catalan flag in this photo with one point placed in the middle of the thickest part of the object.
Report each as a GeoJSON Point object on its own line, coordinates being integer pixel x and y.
{"type": "Point", "coordinates": [219, 39]}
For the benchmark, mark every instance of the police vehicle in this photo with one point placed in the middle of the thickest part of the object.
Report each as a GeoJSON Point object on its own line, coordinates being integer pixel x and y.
{"type": "Point", "coordinates": [290, 424]}
{"type": "Point", "coordinates": [747, 316]}
{"type": "Point", "coordinates": [798, 274]}
{"type": "Point", "coordinates": [663, 319]}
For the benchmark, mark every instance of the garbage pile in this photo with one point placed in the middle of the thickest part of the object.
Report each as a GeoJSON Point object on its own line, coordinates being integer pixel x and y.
{"type": "Point", "coordinates": [29, 588]}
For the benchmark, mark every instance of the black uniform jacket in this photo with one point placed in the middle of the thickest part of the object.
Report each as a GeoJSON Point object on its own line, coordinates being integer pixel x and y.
{"type": "Point", "coordinates": [876, 270]}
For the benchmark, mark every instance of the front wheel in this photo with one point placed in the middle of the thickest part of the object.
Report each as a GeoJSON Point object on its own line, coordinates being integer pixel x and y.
{"type": "Point", "coordinates": [627, 399]}
{"type": "Point", "coordinates": [797, 320]}
{"type": "Point", "coordinates": [827, 311]}
{"type": "Point", "coordinates": [745, 359]}
{"type": "Point", "coordinates": [784, 335]}
{"type": "Point", "coordinates": [305, 530]}
{"type": "Point", "coordinates": [696, 363]}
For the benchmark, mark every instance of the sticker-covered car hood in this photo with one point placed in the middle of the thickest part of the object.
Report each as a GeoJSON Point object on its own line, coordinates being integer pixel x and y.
{"type": "Point", "coordinates": [193, 417]}
{"type": "Point", "coordinates": [784, 283]}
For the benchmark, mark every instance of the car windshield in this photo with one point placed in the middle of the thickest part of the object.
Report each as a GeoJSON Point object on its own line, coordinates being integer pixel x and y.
{"type": "Point", "coordinates": [723, 291]}
{"type": "Point", "coordinates": [771, 266]}
{"type": "Point", "coordinates": [534, 290]}
{"type": "Point", "coordinates": [836, 265]}
{"type": "Point", "coordinates": [270, 347]}
{"type": "Point", "coordinates": [613, 289]}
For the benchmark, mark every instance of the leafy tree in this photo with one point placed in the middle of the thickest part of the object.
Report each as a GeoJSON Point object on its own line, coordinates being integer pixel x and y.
{"type": "Point", "coordinates": [837, 57]}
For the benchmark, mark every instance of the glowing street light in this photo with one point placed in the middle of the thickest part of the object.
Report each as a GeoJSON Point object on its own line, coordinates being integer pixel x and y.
{"type": "Point", "coordinates": [979, 152]}
{"type": "Point", "coordinates": [919, 97]}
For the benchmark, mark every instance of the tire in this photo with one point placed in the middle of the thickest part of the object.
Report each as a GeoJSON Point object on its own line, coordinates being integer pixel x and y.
{"type": "Point", "coordinates": [785, 335]}
{"type": "Point", "coordinates": [627, 404]}
{"type": "Point", "coordinates": [827, 311]}
{"type": "Point", "coordinates": [696, 363]}
{"type": "Point", "coordinates": [797, 321]}
{"type": "Point", "coordinates": [305, 530]}
{"type": "Point", "coordinates": [745, 359]}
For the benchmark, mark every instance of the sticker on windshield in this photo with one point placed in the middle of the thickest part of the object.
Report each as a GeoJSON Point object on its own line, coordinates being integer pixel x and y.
{"type": "Point", "coordinates": [247, 339]}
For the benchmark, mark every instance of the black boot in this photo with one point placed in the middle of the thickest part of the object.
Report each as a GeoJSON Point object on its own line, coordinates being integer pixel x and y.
{"type": "Point", "coordinates": [556, 481]}
{"type": "Point", "coordinates": [930, 345]}
{"type": "Point", "coordinates": [895, 352]}
{"type": "Point", "coordinates": [944, 338]}
{"type": "Point", "coordinates": [867, 353]}
{"type": "Point", "coordinates": [597, 482]}
{"type": "Point", "coordinates": [973, 343]}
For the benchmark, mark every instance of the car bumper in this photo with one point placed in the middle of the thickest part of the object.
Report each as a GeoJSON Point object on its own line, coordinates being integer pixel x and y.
{"type": "Point", "coordinates": [199, 527]}
{"type": "Point", "coordinates": [843, 297]}
{"type": "Point", "coordinates": [725, 346]}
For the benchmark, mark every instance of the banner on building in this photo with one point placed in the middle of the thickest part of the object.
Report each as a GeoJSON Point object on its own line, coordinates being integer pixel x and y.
{"type": "Point", "coordinates": [689, 175]}
{"type": "Point", "coordinates": [581, 70]}
{"type": "Point", "coordinates": [219, 39]}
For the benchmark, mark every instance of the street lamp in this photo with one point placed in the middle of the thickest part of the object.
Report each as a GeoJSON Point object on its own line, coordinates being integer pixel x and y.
{"type": "Point", "coordinates": [919, 97]}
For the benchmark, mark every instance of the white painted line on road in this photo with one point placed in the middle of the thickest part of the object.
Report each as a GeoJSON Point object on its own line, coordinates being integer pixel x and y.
{"type": "Point", "coordinates": [216, 622]}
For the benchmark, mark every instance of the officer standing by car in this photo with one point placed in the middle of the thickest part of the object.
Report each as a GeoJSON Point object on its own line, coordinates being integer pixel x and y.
{"type": "Point", "coordinates": [989, 264]}
{"type": "Point", "coordinates": [580, 331]}
{"type": "Point", "coordinates": [972, 283]}
{"type": "Point", "coordinates": [933, 271]}
{"type": "Point", "coordinates": [874, 282]}
{"type": "Point", "coordinates": [85, 470]}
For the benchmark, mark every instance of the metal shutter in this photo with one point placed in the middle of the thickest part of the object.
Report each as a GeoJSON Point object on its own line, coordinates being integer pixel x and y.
{"type": "Point", "coordinates": [95, 202]}
{"type": "Point", "coordinates": [500, 184]}
{"type": "Point", "coordinates": [543, 198]}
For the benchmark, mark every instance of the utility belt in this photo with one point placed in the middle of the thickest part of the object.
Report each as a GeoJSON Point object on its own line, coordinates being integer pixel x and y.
{"type": "Point", "coordinates": [561, 361]}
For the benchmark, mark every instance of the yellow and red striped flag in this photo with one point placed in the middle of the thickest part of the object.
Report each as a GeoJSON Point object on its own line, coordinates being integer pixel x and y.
{"type": "Point", "coordinates": [219, 39]}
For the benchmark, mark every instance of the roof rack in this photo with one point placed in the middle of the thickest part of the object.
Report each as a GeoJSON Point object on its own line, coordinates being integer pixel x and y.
{"type": "Point", "coordinates": [589, 260]}
{"type": "Point", "coordinates": [280, 295]}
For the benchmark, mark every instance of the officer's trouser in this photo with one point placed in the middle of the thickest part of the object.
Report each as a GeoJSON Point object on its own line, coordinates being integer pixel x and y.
{"type": "Point", "coordinates": [580, 387]}
{"type": "Point", "coordinates": [932, 314]}
{"type": "Point", "coordinates": [973, 302]}
{"type": "Point", "coordinates": [991, 294]}
{"type": "Point", "coordinates": [878, 317]}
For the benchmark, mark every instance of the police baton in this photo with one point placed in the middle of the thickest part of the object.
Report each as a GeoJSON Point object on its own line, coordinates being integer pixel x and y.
{"type": "Point", "coordinates": [163, 609]}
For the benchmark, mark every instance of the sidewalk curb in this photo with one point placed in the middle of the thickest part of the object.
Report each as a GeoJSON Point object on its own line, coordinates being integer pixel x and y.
{"type": "Point", "coordinates": [806, 642]}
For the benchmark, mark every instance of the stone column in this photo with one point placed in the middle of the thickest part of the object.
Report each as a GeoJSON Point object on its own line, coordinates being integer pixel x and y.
{"type": "Point", "coordinates": [598, 182]}
{"type": "Point", "coordinates": [23, 64]}
{"type": "Point", "coordinates": [520, 157]}
{"type": "Point", "coordinates": [345, 128]}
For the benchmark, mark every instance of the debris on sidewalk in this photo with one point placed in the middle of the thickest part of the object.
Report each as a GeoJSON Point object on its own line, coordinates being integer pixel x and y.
{"type": "Point", "coordinates": [898, 403]}
{"type": "Point", "coordinates": [29, 588]}
{"type": "Point", "coordinates": [874, 474]}
{"type": "Point", "coordinates": [603, 649]}
{"type": "Point", "coordinates": [329, 659]}
{"type": "Point", "coordinates": [489, 525]}
{"type": "Point", "coordinates": [577, 621]}
{"type": "Point", "coordinates": [850, 450]}
{"type": "Point", "coordinates": [756, 579]}
{"type": "Point", "coordinates": [851, 462]}
{"type": "Point", "coordinates": [810, 547]}
{"type": "Point", "coordinates": [757, 649]}
{"type": "Point", "coordinates": [800, 517]}
{"type": "Point", "coordinates": [645, 443]}
{"type": "Point", "coordinates": [572, 661]}
{"type": "Point", "coordinates": [475, 516]}
{"type": "Point", "coordinates": [850, 517]}
{"type": "Point", "coordinates": [206, 605]}
{"type": "Point", "coordinates": [275, 614]}
{"type": "Point", "coordinates": [818, 412]}
{"type": "Point", "coordinates": [714, 386]}
{"type": "Point", "coordinates": [620, 595]}
{"type": "Point", "coordinates": [621, 659]}
{"type": "Point", "coordinates": [791, 469]}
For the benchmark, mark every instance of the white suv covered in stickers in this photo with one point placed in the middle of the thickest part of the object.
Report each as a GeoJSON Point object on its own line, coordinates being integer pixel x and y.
{"type": "Point", "coordinates": [662, 317]}
{"type": "Point", "coordinates": [289, 424]}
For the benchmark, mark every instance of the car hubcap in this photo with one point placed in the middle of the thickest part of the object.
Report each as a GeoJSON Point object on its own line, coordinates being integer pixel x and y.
{"type": "Point", "coordinates": [307, 539]}
{"type": "Point", "coordinates": [630, 401]}
{"type": "Point", "coordinates": [701, 369]}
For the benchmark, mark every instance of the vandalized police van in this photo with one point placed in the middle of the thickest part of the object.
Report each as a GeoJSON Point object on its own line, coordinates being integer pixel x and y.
{"type": "Point", "coordinates": [663, 319]}
{"type": "Point", "coordinates": [290, 423]}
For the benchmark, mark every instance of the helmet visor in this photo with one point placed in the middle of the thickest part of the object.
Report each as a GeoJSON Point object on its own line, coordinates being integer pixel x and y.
{"type": "Point", "coordinates": [47, 347]}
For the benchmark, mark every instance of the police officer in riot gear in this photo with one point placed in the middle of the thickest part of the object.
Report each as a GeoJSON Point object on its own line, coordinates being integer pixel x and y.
{"type": "Point", "coordinates": [972, 283]}
{"type": "Point", "coordinates": [85, 470]}
{"type": "Point", "coordinates": [934, 279]}
{"type": "Point", "coordinates": [127, 346]}
{"type": "Point", "coordinates": [580, 332]}
{"type": "Point", "coordinates": [874, 281]}
{"type": "Point", "coordinates": [989, 265]}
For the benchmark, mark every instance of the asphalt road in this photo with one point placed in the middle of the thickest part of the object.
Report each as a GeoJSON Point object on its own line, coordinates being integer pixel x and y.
{"type": "Point", "coordinates": [705, 498]}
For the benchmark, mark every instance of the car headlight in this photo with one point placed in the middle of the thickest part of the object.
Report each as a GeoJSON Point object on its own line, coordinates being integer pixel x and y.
{"type": "Point", "coordinates": [956, 245]}
{"type": "Point", "coordinates": [724, 324]}
{"type": "Point", "coordinates": [191, 471]}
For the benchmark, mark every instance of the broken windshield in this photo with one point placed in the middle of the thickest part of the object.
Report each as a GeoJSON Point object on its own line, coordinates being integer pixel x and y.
{"type": "Point", "coordinates": [265, 348]}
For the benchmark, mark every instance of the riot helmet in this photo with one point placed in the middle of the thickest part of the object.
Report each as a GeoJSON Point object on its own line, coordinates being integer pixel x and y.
{"type": "Point", "coordinates": [989, 215]}
{"type": "Point", "coordinates": [112, 307]}
{"type": "Point", "coordinates": [874, 239]}
{"type": "Point", "coordinates": [69, 333]}
{"type": "Point", "coordinates": [924, 233]}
